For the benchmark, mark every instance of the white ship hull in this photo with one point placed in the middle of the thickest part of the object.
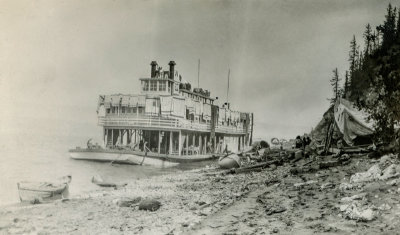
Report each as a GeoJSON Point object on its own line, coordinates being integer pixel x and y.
{"type": "Point", "coordinates": [121, 158]}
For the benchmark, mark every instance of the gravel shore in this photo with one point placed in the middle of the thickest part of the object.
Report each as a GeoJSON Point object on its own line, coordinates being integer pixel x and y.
{"type": "Point", "coordinates": [210, 201]}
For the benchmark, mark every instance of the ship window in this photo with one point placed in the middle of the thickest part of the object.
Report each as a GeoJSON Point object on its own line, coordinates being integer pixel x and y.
{"type": "Point", "coordinates": [113, 109]}
{"type": "Point", "coordinates": [162, 86]}
{"type": "Point", "coordinates": [153, 85]}
{"type": "Point", "coordinates": [123, 110]}
{"type": "Point", "coordinates": [134, 110]}
{"type": "Point", "coordinates": [145, 85]}
{"type": "Point", "coordinates": [108, 110]}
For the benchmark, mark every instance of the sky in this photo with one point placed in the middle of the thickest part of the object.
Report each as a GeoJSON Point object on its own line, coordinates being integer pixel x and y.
{"type": "Point", "coordinates": [57, 57]}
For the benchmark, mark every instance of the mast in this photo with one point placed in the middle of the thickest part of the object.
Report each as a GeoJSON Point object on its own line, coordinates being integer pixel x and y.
{"type": "Point", "coordinates": [198, 75]}
{"type": "Point", "coordinates": [227, 91]}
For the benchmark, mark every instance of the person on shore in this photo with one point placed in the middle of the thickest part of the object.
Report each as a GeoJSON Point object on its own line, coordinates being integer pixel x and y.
{"type": "Point", "coordinates": [306, 141]}
{"type": "Point", "coordinates": [298, 143]}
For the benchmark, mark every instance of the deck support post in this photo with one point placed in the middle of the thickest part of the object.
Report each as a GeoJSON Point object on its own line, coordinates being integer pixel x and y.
{"type": "Point", "coordinates": [205, 144]}
{"type": "Point", "coordinates": [180, 142]}
{"type": "Point", "coordinates": [112, 137]}
{"type": "Point", "coordinates": [170, 142]}
{"type": "Point", "coordinates": [159, 142]}
{"type": "Point", "coordinates": [200, 144]}
{"type": "Point", "coordinates": [135, 135]}
{"type": "Point", "coordinates": [215, 144]}
{"type": "Point", "coordinates": [120, 136]}
{"type": "Point", "coordinates": [187, 144]}
{"type": "Point", "coordinates": [104, 136]}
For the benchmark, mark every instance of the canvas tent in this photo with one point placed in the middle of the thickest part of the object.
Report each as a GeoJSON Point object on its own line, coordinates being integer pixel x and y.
{"type": "Point", "coordinates": [351, 122]}
{"type": "Point", "coordinates": [343, 121]}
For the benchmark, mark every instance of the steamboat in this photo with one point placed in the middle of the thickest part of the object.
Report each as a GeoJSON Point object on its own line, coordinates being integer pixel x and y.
{"type": "Point", "coordinates": [166, 124]}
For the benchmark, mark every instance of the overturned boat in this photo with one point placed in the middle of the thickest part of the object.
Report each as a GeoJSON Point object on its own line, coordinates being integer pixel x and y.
{"type": "Point", "coordinates": [166, 124]}
{"type": "Point", "coordinates": [31, 191]}
{"type": "Point", "coordinates": [100, 182]}
{"type": "Point", "coordinates": [229, 161]}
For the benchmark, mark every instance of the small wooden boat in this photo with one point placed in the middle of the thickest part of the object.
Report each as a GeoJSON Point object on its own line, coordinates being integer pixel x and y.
{"type": "Point", "coordinates": [32, 191]}
{"type": "Point", "coordinates": [100, 182]}
{"type": "Point", "coordinates": [229, 161]}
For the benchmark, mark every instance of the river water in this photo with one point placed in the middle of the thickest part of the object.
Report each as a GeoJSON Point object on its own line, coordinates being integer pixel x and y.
{"type": "Point", "coordinates": [40, 153]}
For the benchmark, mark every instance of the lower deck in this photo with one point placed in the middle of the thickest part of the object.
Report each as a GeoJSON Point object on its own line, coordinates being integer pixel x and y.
{"type": "Point", "coordinates": [171, 143]}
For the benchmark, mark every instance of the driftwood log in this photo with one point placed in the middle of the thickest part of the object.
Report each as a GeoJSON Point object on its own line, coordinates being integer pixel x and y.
{"type": "Point", "coordinates": [257, 167]}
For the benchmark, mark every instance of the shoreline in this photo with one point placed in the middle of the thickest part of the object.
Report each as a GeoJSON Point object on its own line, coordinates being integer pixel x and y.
{"type": "Point", "coordinates": [183, 187]}
{"type": "Point", "coordinates": [279, 199]}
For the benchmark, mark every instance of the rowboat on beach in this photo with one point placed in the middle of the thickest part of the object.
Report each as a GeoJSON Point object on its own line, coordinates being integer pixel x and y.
{"type": "Point", "coordinates": [31, 191]}
{"type": "Point", "coordinates": [229, 161]}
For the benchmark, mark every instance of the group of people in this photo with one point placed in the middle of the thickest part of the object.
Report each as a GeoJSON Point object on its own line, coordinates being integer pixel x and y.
{"type": "Point", "coordinates": [90, 145]}
{"type": "Point", "coordinates": [302, 143]}
{"type": "Point", "coordinates": [208, 148]}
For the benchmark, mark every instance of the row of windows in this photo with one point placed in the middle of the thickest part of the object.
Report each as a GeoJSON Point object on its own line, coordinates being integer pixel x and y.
{"type": "Point", "coordinates": [125, 110]}
{"type": "Point", "coordinates": [196, 97]}
{"type": "Point", "coordinates": [152, 86]}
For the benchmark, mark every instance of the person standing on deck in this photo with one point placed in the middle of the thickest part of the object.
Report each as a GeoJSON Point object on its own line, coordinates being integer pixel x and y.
{"type": "Point", "coordinates": [209, 146]}
{"type": "Point", "coordinates": [141, 145]}
{"type": "Point", "coordinates": [219, 146]}
{"type": "Point", "coordinates": [226, 149]}
{"type": "Point", "coordinates": [145, 148]}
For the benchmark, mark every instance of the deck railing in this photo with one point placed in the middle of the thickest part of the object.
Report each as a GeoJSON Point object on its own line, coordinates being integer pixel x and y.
{"type": "Point", "coordinates": [162, 123]}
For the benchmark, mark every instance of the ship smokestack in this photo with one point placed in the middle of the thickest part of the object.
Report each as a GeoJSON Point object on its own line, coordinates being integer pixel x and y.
{"type": "Point", "coordinates": [171, 69]}
{"type": "Point", "coordinates": [153, 68]}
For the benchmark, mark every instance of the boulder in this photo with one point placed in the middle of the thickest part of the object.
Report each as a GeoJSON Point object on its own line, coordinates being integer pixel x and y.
{"type": "Point", "coordinates": [36, 200]}
{"type": "Point", "coordinates": [128, 202]}
{"type": "Point", "coordinates": [373, 173]}
{"type": "Point", "coordinates": [353, 212]}
{"type": "Point", "coordinates": [390, 172]}
{"type": "Point", "coordinates": [149, 205]}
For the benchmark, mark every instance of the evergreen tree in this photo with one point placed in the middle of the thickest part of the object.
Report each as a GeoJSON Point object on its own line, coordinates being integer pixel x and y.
{"type": "Point", "coordinates": [352, 56]}
{"type": "Point", "coordinates": [398, 27]}
{"type": "Point", "coordinates": [374, 41]}
{"type": "Point", "coordinates": [346, 85]}
{"type": "Point", "coordinates": [357, 59]}
{"type": "Point", "coordinates": [368, 39]}
{"type": "Point", "coordinates": [378, 39]}
{"type": "Point", "coordinates": [335, 86]}
{"type": "Point", "coordinates": [382, 67]}
{"type": "Point", "coordinates": [388, 29]}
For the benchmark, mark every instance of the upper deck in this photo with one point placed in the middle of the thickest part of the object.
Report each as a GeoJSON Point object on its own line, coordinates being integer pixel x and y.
{"type": "Point", "coordinates": [167, 103]}
{"type": "Point", "coordinates": [159, 123]}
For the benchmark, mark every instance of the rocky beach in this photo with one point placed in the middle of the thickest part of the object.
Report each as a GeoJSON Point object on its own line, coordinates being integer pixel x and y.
{"type": "Point", "coordinates": [358, 196]}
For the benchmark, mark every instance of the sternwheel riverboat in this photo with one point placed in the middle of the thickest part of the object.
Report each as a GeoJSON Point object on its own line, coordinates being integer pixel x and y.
{"type": "Point", "coordinates": [166, 124]}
